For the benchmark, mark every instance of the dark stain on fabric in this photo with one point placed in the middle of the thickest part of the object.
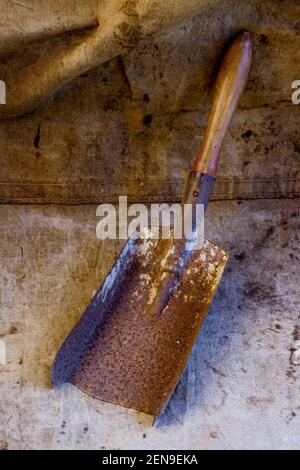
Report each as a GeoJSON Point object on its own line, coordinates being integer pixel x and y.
{"type": "Point", "coordinates": [240, 257]}
{"type": "Point", "coordinates": [261, 402]}
{"type": "Point", "coordinates": [129, 9]}
{"type": "Point", "coordinates": [261, 243]}
{"type": "Point", "coordinates": [263, 39]}
{"type": "Point", "coordinates": [129, 32]}
{"type": "Point", "coordinates": [291, 370]}
{"type": "Point", "coordinates": [258, 291]}
{"type": "Point", "coordinates": [127, 35]}
{"type": "Point", "coordinates": [297, 147]}
{"type": "Point", "coordinates": [13, 330]}
{"type": "Point", "coordinates": [147, 119]}
{"type": "Point", "coordinates": [246, 135]}
{"type": "Point", "coordinates": [37, 137]}
{"type": "Point", "coordinates": [111, 104]}
{"type": "Point", "coordinates": [124, 75]}
{"type": "Point", "coordinates": [296, 337]}
{"type": "Point", "coordinates": [296, 333]}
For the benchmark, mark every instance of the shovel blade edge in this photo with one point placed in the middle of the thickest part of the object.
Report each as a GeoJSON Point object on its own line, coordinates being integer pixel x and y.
{"type": "Point", "coordinates": [119, 354]}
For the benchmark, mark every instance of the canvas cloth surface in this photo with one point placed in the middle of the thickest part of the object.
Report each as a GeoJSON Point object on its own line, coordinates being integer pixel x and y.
{"type": "Point", "coordinates": [112, 97]}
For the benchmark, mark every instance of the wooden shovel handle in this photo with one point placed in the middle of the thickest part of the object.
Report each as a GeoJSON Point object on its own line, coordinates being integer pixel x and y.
{"type": "Point", "coordinates": [230, 84]}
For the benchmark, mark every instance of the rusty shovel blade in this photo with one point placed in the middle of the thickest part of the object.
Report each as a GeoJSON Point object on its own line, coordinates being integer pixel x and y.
{"type": "Point", "coordinates": [120, 354]}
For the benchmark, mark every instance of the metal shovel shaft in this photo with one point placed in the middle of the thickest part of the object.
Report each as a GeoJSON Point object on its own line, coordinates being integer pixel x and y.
{"type": "Point", "coordinates": [230, 84]}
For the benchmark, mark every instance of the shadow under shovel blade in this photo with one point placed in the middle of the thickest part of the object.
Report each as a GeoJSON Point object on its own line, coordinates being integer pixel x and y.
{"type": "Point", "coordinates": [116, 352]}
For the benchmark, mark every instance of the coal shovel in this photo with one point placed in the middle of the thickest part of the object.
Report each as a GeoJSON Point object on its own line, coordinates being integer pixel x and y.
{"type": "Point", "coordinates": [132, 344]}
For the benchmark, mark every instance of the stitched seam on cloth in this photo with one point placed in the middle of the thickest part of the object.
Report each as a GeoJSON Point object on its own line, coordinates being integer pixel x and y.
{"type": "Point", "coordinates": [235, 188]}
{"type": "Point", "coordinates": [169, 181]}
{"type": "Point", "coordinates": [95, 200]}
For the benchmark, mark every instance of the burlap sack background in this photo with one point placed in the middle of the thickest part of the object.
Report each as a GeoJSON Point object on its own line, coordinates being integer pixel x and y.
{"type": "Point", "coordinates": [111, 97]}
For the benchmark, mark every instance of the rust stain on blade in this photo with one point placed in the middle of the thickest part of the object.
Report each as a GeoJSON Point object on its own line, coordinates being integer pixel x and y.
{"type": "Point", "coordinates": [116, 352]}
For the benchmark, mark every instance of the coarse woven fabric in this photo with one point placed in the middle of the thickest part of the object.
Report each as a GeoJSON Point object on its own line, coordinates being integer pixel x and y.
{"type": "Point", "coordinates": [111, 97]}
{"type": "Point", "coordinates": [240, 389]}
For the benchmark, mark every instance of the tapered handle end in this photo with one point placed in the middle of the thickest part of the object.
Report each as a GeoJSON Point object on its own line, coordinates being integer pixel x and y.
{"type": "Point", "coordinates": [230, 84]}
